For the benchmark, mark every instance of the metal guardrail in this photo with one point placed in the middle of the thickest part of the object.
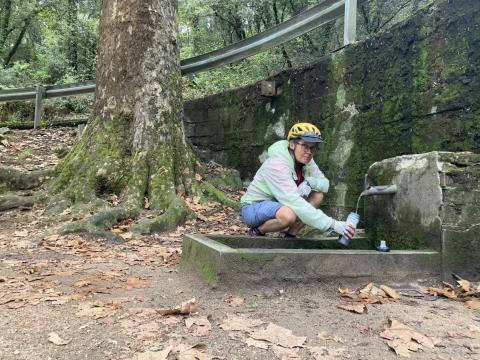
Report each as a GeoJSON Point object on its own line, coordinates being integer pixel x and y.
{"type": "Point", "coordinates": [300, 24]}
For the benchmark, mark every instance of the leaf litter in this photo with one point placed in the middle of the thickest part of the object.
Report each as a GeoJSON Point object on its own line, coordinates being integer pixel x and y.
{"type": "Point", "coordinates": [218, 219]}
{"type": "Point", "coordinates": [368, 294]}
{"type": "Point", "coordinates": [465, 291]}
{"type": "Point", "coordinates": [57, 340]}
{"type": "Point", "coordinates": [404, 340]}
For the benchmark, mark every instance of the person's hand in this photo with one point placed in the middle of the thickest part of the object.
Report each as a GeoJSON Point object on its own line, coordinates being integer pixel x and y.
{"type": "Point", "coordinates": [304, 189]}
{"type": "Point", "coordinates": [341, 228]}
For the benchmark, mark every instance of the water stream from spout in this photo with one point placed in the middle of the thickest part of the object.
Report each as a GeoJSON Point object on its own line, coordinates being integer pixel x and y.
{"type": "Point", "coordinates": [358, 203]}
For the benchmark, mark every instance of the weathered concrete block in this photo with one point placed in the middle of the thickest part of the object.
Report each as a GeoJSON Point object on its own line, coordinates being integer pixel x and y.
{"type": "Point", "coordinates": [244, 259]}
{"type": "Point", "coordinates": [437, 206]}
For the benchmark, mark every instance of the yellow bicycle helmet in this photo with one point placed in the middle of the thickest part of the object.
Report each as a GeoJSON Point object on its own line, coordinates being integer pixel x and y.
{"type": "Point", "coordinates": [305, 131]}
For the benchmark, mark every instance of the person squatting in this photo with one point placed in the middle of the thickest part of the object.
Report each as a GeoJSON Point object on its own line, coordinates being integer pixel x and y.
{"type": "Point", "coordinates": [288, 189]}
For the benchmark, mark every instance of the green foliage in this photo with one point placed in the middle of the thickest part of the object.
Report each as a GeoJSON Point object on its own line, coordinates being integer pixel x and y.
{"type": "Point", "coordinates": [61, 151]}
{"type": "Point", "coordinates": [28, 152]}
{"type": "Point", "coordinates": [47, 42]}
{"type": "Point", "coordinates": [207, 25]}
{"type": "Point", "coordinates": [55, 41]}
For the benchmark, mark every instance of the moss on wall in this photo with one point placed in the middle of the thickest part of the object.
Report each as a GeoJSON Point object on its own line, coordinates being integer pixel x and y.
{"type": "Point", "coordinates": [411, 89]}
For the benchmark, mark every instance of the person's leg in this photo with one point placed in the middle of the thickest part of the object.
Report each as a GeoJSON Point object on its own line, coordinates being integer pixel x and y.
{"type": "Point", "coordinates": [270, 213]}
{"type": "Point", "coordinates": [284, 218]}
{"type": "Point", "coordinates": [315, 198]}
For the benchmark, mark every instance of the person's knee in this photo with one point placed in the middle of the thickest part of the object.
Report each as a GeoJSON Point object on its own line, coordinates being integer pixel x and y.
{"type": "Point", "coordinates": [315, 198]}
{"type": "Point", "coordinates": [286, 216]}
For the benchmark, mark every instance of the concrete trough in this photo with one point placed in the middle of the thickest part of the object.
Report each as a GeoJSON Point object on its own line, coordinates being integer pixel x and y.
{"type": "Point", "coordinates": [230, 259]}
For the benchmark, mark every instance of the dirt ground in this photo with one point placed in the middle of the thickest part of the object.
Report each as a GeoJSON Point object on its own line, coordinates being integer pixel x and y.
{"type": "Point", "coordinates": [75, 297]}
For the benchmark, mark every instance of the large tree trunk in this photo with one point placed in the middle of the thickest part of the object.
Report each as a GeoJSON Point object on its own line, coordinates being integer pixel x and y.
{"type": "Point", "coordinates": [134, 146]}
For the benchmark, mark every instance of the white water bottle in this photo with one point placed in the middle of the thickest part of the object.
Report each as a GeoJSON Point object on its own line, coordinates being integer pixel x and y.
{"type": "Point", "coordinates": [352, 219]}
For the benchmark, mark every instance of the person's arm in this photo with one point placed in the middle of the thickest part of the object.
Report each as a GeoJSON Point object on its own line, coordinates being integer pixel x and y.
{"type": "Point", "coordinates": [278, 178]}
{"type": "Point", "coordinates": [316, 179]}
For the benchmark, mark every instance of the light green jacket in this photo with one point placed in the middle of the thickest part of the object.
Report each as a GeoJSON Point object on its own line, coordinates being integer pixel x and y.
{"type": "Point", "coordinates": [275, 180]}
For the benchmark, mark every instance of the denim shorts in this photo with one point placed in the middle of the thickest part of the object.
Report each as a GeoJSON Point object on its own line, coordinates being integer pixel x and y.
{"type": "Point", "coordinates": [257, 213]}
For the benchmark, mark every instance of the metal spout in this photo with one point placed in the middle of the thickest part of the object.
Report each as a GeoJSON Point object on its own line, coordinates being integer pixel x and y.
{"type": "Point", "coordinates": [380, 190]}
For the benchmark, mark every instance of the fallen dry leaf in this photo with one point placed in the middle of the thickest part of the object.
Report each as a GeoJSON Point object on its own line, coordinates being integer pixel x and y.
{"type": "Point", "coordinates": [325, 336]}
{"type": "Point", "coordinates": [390, 292]}
{"type": "Point", "coordinates": [369, 294]}
{"type": "Point", "coordinates": [257, 343]}
{"type": "Point", "coordinates": [358, 308]}
{"type": "Point", "coordinates": [366, 290]}
{"type": "Point", "coordinates": [96, 277]}
{"type": "Point", "coordinates": [403, 339]}
{"type": "Point", "coordinates": [16, 304]}
{"type": "Point", "coordinates": [240, 323]}
{"type": "Point", "coordinates": [66, 212]}
{"type": "Point", "coordinates": [285, 354]}
{"type": "Point", "coordinates": [202, 327]}
{"type": "Point", "coordinates": [235, 301]}
{"type": "Point", "coordinates": [97, 309]}
{"type": "Point", "coordinates": [474, 328]}
{"type": "Point", "coordinates": [57, 340]}
{"type": "Point", "coordinates": [202, 217]}
{"type": "Point", "coordinates": [378, 292]}
{"type": "Point", "coordinates": [403, 348]}
{"type": "Point", "coordinates": [20, 233]}
{"type": "Point", "coordinates": [135, 283]}
{"type": "Point", "coordinates": [126, 235]}
{"type": "Point", "coordinates": [52, 238]}
{"type": "Point", "coordinates": [446, 292]}
{"type": "Point", "coordinates": [279, 335]}
{"type": "Point", "coordinates": [473, 304]}
{"type": "Point", "coordinates": [185, 308]}
{"type": "Point", "coordinates": [464, 285]}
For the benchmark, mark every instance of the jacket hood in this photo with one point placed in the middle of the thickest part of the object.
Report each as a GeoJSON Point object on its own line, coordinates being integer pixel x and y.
{"type": "Point", "coordinates": [280, 149]}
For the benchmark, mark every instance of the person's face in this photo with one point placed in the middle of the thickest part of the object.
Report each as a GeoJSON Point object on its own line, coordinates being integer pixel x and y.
{"type": "Point", "coordinates": [304, 151]}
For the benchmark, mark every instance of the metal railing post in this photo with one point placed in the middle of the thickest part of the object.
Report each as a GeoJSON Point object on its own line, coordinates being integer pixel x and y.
{"type": "Point", "coordinates": [40, 92]}
{"type": "Point", "coordinates": [350, 27]}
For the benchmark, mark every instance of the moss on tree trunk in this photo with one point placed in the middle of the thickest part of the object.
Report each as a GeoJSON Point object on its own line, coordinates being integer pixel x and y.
{"type": "Point", "coordinates": [134, 147]}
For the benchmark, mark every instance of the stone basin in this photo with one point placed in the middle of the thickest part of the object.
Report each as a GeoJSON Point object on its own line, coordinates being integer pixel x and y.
{"type": "Point", "coordinates": [229, 259]}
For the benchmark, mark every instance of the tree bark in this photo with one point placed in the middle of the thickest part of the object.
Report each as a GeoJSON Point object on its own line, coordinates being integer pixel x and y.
{"type": "Point", "coordinates": [18, 41]}
{"type": "Point", "coordinates": [134, 146]}
{"type": "Point", "coordinates": [6, 11]}
{"type": "Point", "coordinates": [72, 52]}
{"type": "Point", "coordinates": [15, 46]}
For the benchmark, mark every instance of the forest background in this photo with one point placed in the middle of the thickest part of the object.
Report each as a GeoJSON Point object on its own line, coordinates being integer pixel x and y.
{"type": "Point", "coordinates": [55, 42]}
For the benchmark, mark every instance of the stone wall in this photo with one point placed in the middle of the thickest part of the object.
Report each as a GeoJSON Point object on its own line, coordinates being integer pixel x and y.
{"type": "Point", "coordinates": [437, 206]}
{"type": "Point", "coordinates": [412, 89]}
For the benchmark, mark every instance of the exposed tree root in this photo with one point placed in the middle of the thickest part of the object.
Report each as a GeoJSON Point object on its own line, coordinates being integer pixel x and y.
{"type": "Point", "coordinates": [220, 196]}
{"type": "Point", "coordinates": [13, 201]}
{"type": "Point", "coordinates": [14, 179]}
{"type": "Point", "coordinates": [176, 212]}
{"type": "Point", "coordinates": [103, 218]}
{"type": "Point", "coordinates": [101, 221]}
